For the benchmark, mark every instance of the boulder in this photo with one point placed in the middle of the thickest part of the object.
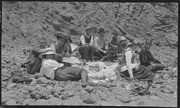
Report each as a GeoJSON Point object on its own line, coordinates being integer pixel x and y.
{"type": "Point", "coordinates": [35, 95]}
{"type": "Point", "coordinates": [42, 80]}
{"type": "Point", "coordinates": [154, 97]}
{"type": "Point", "coordinates": [67, 95]}
{"type": "Point", "coordinates": [104, 103]}
{"type": "Point", "coordinates": [29, 88]}
{"type": "Point", "coordinates": [33, 83]}
{"type": "Point", "coordinates": [38, 87]}
{"type": "Point", "coordinates": [44, 93]}
{"type": "Point", "coordinates": [7, 96]}
{"type": "Point", "coordinates": [89, 89]}
{"type": "Point", "coordinates": [12, 86]}
{"type": "Point", "coordinates": [28, 101]}
{"type": "Point", "coordinates": [102, 95]}
{"type": "Point", "coordinates": [11, 102]}
{"type": "Point", "coordinates": [55, 101]}
{"type": "Point", "coordinates": [88, 99]}
{"type": "Point", "coordinates": [42, 102]}
{"type": "Point", "coordinates": [20, 97]}
{"type": "Point", "coordinates": [58, 89]}
{"type": "Point", "coordinates": [140, 103]}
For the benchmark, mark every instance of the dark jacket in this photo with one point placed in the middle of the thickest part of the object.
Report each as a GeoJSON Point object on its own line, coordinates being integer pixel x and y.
{"type": "Point", "coordinates": [146, 57]}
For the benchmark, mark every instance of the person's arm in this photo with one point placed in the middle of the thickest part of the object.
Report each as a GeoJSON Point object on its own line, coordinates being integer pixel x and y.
{"type": "Point", "coordinates": [49, 64]}
{"type": "Point", "coordinates": [82, 40]}
{"type": "Point", "coordinates": [128, 56]}
{"type": "Point", "coordinates": [152, 59]}
{"type": "Point", "coordinates": [96, 39]}
{"type": "Point", "coordinates": [91, 42]}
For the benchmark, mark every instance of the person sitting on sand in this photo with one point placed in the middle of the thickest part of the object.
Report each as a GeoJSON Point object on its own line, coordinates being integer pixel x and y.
{"type": "Point", "coordinates": [115, 47]}
{"type": "Point", "coordinates": [33, 63]}
{"type": "Point", "coordinates": [139, 71]}
{"type": "Point", "coordinates": [86, 48]}
{"type": "Point", "coordinates": [56, 71]}
{"type": "Point", "coordinates": [99, 44]}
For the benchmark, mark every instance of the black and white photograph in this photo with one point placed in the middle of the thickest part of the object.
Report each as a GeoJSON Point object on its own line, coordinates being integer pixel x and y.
{"type": "Point", "coordinates": [57, 53]}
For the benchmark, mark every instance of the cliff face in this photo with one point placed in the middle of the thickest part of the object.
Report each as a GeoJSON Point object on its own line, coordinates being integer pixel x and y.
{"type": "Point", "coordinates": [24, 23]}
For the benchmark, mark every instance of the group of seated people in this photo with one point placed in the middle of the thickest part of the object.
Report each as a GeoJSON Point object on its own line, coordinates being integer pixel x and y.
{"type": "Point", "coordinates": [48, 60]}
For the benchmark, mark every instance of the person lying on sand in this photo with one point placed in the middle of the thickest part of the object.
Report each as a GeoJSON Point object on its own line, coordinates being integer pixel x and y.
{"type": "Point", "coordinates": [51, 69]}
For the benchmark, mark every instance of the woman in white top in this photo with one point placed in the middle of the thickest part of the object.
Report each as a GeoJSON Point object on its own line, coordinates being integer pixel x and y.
{"type": "Point", "coordinates": [99, 44]}
{"type": "Point", "coordinates": [56, 71]}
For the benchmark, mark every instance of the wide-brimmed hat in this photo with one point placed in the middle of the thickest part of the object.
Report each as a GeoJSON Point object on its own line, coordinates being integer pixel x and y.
{"type": "Point", "coordinates": [101, 30]}
{"type": "Point", "coordinates": [60, 35]}
{"type": "Point", "coordinates": [68, 38]}
{"type": "Point", "coordinates": [47, 51]}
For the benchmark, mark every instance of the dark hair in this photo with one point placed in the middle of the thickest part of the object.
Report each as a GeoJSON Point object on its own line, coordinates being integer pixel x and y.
{"type": "Point", "coordinates": [101, 30]}
{"type": "Point", "coordinates": [60, 36]}
{"type": "Point", "coordinates": [68, 38]}
{"type": "Point", "coordinates": [148, 42]}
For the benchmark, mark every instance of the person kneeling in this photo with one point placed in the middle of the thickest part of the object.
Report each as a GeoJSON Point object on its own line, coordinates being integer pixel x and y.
{"type": "Point", "coordinates": [56, 71]}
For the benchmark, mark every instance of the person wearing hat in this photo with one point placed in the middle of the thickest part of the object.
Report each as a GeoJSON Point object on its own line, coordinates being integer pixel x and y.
{"type": "Point", "coordinates": [86, 48]}
{"type": "Point", "coordinates": [114, 48]}
{"type": "Point", "coordinates": [63, 45]}
{"type": "Point", "coordinates": [33, 62]}
{"type": "Point", "coordinates": [99, 44]}
{"type": "Point", "coordinates": [138, 70]}
{"type": "Point", "coordinates": [51, 69]}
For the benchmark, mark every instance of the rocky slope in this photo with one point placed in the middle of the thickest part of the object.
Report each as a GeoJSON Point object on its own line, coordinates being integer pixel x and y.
{"type": "Point", "coordinates": [24, 23]}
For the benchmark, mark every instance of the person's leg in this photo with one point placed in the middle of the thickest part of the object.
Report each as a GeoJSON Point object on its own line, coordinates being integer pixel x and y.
{"type": "Point", "coordinates": [84, 77]}
{"type": "Point", "coordinates": [146, 91]}
{"type": "Point", "coordinates": [155, 67]}
{"type": "Point", "coordinates": [91, 53]}
{"type": "Point", "coordinates": [85, 53]}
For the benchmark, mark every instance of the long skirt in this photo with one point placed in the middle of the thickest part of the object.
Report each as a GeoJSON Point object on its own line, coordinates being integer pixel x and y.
{"type": "Point", "coordinates": [68, 73]}
{"type": "Point", "coordinates": [143, 74]}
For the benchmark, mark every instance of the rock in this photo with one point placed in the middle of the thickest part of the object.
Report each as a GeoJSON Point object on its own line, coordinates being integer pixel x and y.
{"type": "Point", "coordinates": [67, 95]}
{"type": "Point", "coordinates": [30, 88]}
{"type": "Point", "coordinates": [20, 97]}
{"type": "Point", "coordinates": [56, 95]}
{"type": "Point", "coordinates": [154, 97]}
{"type": "Point", "coordinates": [42, 80]}
{"type": "Point", "coordinates": [42, 102]}
{"type": "Point", "coordinates": [38, 87]}
{"type": "Point", "coordinates": [58, 89]}
{"type": "Point", "coordinates": [102, 95]}
{"type": "Point", "coordinates": [11, 102]}
{"type": "Point", "coordinates": [89, 89]}
{"type": "Point", "coordinates": [166, 76]}
{"type": "Point", "coordinates": [35, 95]}
{"type": "Point", "coordinates": [12, 86]}
{"type": "Point", "coordinates": [6, 96]}
{"type": "Point", "coordinates": [175, 95]}
{"type": "Point", "coordinates": [104, 103]}
{"type": "Point", "coordinates": [33, 83]}
{"type": "Point", "coordinates": [69, 87]}
{"type": "Point", "coordinates": [141, 103]}
{"type": "Point", "coordinates": [49, 87]}
{"type": "Point", "coordinates": [44, 93]}
{"type": "Point", "coordinates": [88, 99]}
{"type": "Point", "coordinates": [55, 101]}
{"type": "Point", "coordinates": [28, 101]}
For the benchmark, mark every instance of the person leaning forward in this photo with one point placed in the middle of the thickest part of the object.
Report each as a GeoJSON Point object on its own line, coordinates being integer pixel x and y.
{"type": "Point", "coordinates": [51, 69]}
{"type": "Point", "coordinates": [33, 62]}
